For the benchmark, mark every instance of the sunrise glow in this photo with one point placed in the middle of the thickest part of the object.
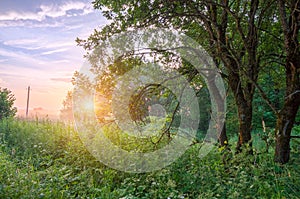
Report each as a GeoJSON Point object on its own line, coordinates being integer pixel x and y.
{"type": "Point", "coordinates": [38, 49]}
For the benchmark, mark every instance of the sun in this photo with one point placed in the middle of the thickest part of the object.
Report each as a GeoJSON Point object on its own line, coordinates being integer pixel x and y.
{"type": "Point", "coordinates": [89, 106]}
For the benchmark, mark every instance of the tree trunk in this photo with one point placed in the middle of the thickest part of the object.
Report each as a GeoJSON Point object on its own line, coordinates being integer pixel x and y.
{"type": "Point", "coordinates": [283, 133]}
{"type": "Point", "coordinates": [245, 125]}
{"type": "Point", "coordinates": [243, 98]}
{"type": "Point", "coordinates": [286, 117]}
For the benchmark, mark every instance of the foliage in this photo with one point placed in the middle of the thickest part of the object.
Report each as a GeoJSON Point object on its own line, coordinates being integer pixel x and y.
{"type": "Point", "coordinates": [6, 103]}
{"type": "Point", "coordinates": [254, 44]}
{"type": "Point", "coordinates": [237, 34]}
{"type": "Point", "coordinates": [42, 159]}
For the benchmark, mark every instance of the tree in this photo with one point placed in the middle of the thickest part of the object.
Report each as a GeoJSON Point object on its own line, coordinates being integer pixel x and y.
{"type": "Point", "coordinates": [7, 100]}
{"type": "Point", "coordinates": [289, 15]}
{"type": "Point", "coordinates": [243, 37]}
{"type": "Point", "coordinates": [227, 29]}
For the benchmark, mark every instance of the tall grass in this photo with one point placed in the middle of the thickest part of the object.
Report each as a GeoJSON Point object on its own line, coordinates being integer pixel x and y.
{"type": "Point", "coordinates": [42, 159]}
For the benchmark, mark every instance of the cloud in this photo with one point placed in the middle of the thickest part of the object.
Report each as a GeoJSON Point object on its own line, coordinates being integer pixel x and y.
{"type": "Point", "coordinates": [50, 55]}
{"type": "Point", "coordinates": [38, 44]}
{"type": "Point", "coordinates": [86, 8]}
{"type": "Point", "coordinates": [50, 10]}
{"type": "Point", "coordinates": [20, 56]}
{"type": "Point", "coordinates": [37, 50]}
{"type": "Point", "coordinates": [62, 79]}
{"type": "Point", "coordinates": [54, 51]}
{"type": "Point", "coordinates": [29, 23]}
{"type": "Point", "coordinates": [13, 15]}
{"type": "Point", "coordinates": [61, 61]}
{"type": "Point", "coordinates": [44, 12]}
{"type": "Point", "coordinates": [29, 44]}
{"type": "Point", "coordinates": [62, 10]}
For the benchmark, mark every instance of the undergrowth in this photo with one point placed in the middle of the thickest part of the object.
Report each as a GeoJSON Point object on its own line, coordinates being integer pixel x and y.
{"type": "Point", "coordinates": [42, 159]}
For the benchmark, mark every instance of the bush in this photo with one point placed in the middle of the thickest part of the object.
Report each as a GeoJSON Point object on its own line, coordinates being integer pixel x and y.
{"type": "Point", "coordinates": [7, 100]}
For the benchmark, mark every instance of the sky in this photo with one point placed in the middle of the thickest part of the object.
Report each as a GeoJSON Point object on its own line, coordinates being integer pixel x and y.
{"type": "Point", "coordinates": [38, 49]}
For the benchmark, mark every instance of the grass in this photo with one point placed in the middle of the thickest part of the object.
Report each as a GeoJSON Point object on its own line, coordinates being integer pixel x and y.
{"type": "Point", "coordinates": [41, 159]}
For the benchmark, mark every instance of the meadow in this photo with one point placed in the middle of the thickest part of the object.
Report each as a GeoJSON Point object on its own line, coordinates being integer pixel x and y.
{"type": "Point", "coordinates": [44, 159]}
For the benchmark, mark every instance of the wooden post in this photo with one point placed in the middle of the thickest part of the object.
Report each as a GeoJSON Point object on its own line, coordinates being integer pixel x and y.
{"type": "Point", "coordinates": [27, 107]}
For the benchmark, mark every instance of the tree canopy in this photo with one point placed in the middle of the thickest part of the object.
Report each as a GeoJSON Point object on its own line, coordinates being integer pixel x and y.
{"type": "Point", "coordinates": [253, 43]}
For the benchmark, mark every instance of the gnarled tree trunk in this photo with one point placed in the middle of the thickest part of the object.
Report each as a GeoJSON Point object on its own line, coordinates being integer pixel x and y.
{"type": "Point", "coordinates": [283, 132]}
{"type": "Point", "coordinates": [290, 21]}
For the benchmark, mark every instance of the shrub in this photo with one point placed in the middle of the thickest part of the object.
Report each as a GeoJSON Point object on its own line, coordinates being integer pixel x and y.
{"type": "Point", "coordinates": [7, 100]}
